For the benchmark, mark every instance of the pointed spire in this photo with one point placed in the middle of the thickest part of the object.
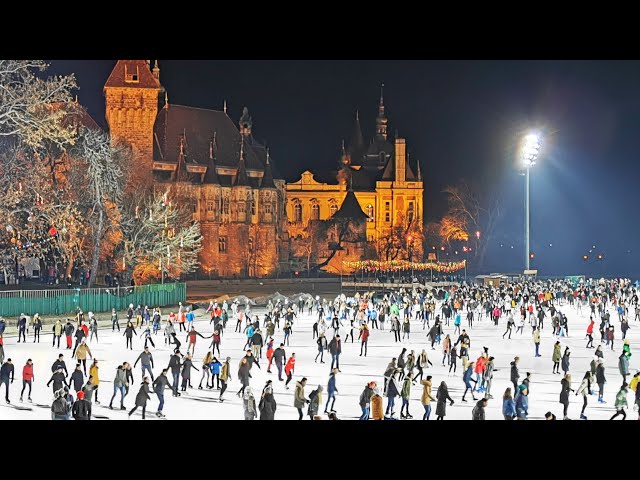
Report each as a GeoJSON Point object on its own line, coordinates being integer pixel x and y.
{"type": "Point", "coordinates": [224, 108]}
{"type": "Point", "coordinates": [357, 116]}
{"type": "Point", "coordinates": [381, 120]}
{"type": "Point", "coordinates": [166, 100]}
{"type": "Point", "coordinates": [419, 174]}
{"type": "Point", "coordinates": [211, 176]}
{"type": "Point", "coordinates": [156, 71]}
{"type": "Point", "coordinates": [267, 178]}
{"type": "Point", "coordinates": [356, 147]}
{"type": "Point", "coordinates": [241, 176]}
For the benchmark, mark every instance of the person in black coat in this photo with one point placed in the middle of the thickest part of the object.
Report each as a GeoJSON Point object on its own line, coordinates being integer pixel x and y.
{"type": "Point", "coordinates": [600, 380]}
{"type": "Point", "coordinates": [478, 411]}
{"type": "Point", "coordinates": [60, 364]}
{"type": "Point", "coordinates": [7, 373]}
{"type": "Point", "coordinates": [81, 409]}
{"type": "Point", "coordinates": [77, 378]}
{"type": "Point", "coordinates": [442, 396]}
{"type": "Point", "coordinates": [159, 385]}
{"type": "Point", "coordinates": [58, 380]}
{"type": "Point", "coordinates": [174, 366]}
{"type": "Point", "coordinates": [129, 332]}
{"type": "Point", "coordinates": [279, 357]}
{"type": "Point", "coordinates": [267, 405]}
{"type": "Point", "coordinates": [142, 397]}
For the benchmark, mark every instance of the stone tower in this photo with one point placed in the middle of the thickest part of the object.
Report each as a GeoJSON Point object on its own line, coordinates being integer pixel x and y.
{"type": "Point", "coordinates": [131, 96]}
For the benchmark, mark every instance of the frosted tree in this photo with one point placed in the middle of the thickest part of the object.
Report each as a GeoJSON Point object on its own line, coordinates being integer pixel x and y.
{"type": "Point", "coordinates": [30, 104]}
{"type": "Point", "coordinates": [99, 174]}
{"type": "Point", "coordinates": [161, 237]}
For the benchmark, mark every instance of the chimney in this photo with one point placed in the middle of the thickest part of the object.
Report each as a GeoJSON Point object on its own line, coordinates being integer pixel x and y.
{"type": "Point", "coordinates": [401, 160]}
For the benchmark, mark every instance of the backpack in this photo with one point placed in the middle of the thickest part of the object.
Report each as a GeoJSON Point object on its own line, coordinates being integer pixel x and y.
{"type": "Point", "coordinates": [59, 406]}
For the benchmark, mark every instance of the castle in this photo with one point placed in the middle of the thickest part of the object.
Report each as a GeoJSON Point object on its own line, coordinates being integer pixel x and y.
{"type": "Point", "coordinates": [247, 212]}
{"type": "Point", "coordinates": [236, 194]}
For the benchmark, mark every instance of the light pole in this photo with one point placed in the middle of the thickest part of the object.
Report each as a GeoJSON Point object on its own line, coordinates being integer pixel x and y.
{"type": "Point", "coordinates": [530, 149]}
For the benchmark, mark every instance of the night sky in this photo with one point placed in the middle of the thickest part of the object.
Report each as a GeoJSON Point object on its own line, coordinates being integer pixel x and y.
{"type": "Point", "coordinates": [461, 119]}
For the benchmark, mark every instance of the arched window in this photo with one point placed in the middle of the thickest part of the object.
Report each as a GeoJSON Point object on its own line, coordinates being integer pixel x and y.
{"type": "Point", "coordinates": [250, 245]}
{"type": "Point", "coordinates": [333, 208]}
{"type": "Point", "coordinates": [370, 213]}
{"type": "Point", "coordinates": [222, 244]}
{"type": "Point", "coordinates": [297, 213]}
{"type": "Point", "coordinates": [315, 212]}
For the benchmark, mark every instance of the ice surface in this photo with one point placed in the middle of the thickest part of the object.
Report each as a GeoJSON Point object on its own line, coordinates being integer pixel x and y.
{"type": "Point", "coordinates": [356, 370]}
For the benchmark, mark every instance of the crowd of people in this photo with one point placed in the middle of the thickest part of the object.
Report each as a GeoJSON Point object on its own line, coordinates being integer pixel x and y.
{"type": "Point", "coordinates": [442, 320]}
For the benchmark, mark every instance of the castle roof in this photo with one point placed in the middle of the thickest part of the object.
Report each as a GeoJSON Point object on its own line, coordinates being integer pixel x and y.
{"type": "Point", "coordinates": [132, 73]}
{"type": "Point", "coordinates": [350, 208]}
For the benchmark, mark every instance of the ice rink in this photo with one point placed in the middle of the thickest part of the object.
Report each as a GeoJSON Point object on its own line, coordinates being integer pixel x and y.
{"type": "Point", "coordinates": [356, 370]}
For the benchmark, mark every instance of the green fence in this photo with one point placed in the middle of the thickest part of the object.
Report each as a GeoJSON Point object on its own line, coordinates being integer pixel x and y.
{"type": "Point", "coordinates": [64, 302]}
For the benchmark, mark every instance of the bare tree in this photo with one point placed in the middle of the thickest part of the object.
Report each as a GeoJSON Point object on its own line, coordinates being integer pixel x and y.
{"type": "Point", "coordinates": [471, 216]}
{"type": "Point", "coordinates": [99, 170]}
{"type": "Point", "coordinates": [30, 105]}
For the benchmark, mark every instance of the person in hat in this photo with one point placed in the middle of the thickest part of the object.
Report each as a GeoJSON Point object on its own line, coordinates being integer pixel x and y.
{"type": "Point", "coordinates": [522, 402]}
{"type": "Point", "coordinates": [377, 412]}
{"type": "Point", "coordinates": [621, 402]}
{"type": "Point", "coordinates": [478, 410]}
{"type": "Point", "coordinates": [81, 409]}
{"type": "Point", "coordinates": [299, 399]}
{"type": "Point", "coordinates": [549, 416]}
{"type": "Point", "coordinates": [267, 405]}
{"type": "Point", "coordinates": [365, 400]}
{"type": "Point", "coordinates": [442, 396]}
{"type": "Point", "coordinates": [249, 404]}
{"type": "Point", "coordinates": [315, 400]}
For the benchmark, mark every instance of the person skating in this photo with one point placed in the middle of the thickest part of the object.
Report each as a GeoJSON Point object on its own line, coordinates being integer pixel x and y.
{"type": "Point", "coordinates": [225, 376]}
{"type": "Point", "coordinates": [57, 330]}
{"type": "Point", "coordinates": [215, 367]}
{"type": "Point", "coordinates": [508, 405]}
{"type": "Point", "coordinates": [467, 378]}
{"type": "Point", "coordinates": [119, 383]}
{"type": "Point", "coordinates": [146, 333]}
{"type": "Point", "coordinates": [406, 395]}
{"type": "Point", "coordinates": [322, 346]}
{"type": "Point", "coordinates": [421, 363]}
{"type": "Point", "coordinates": [377, 412]}
{"type": "Point", "coordinates": [159, 385]}
{"type": "Point", "coordinates": [442, 395]}
{"type": "Point", "coordinates": [315, 401]}
{"type": "Point", "coordinates": [68, 331]}
{"type": "Point", "coordinates": [364, 337]}
{"type": "Point", "coordinates": [565, 363]}
{"type": "Point", "coordinates": [146, 362]}
{"type": "Point", "coordinates": [81, 409]}
{"type": "Point", "coordinates": [478, 411]}
{"type": "Point", "coordinates": [267, 405]}
{"type": "Point", "coordinates": [77, 379]}
{"type": "Point", "coordinates": [114, 320]}
{"type": "Point", "coordinates": [522, 403]}
{"type": "Point", "coordinates": [60, 363]}
{"type": "Point", "coordinates": [206, 369]}
{"type": "Point", "coordinates": [22, 328]}
{"type": "Point", "coordinates": [37, 327]}
{"type": "Point", "coordinates": [565, 388]}
{"type": "Point", "coordinates": [80, 335]}
{"type": "Point", "coordinates": [191, 338]}
{"type": "Point", "coordinates": [335, 349]}
{"type": "Point", "coordinates": [590, 333]}
{"type": "Point", "coordinates": [59, 407]}
{"type": "Point", "coordinates": [81, 354]}
{"type": "Point", "coordinates": [94, 375]}
{"type": "Point", "coordinates": [58, 379]}
{"type": "Point", "coordinates": [402, 362]}
{"type": "Point", "coordinates": [600, 380]}
{"type": "Point", "coordinates": [536, 341]}
{"type": "Point", "coordinates": [393, 390]}
{"type": "Point", "coordinates": [243, 376]}
{"type": "Point", "coordinates": [187, 365]}
{"type": "Point", "coordinates": [426, 397]}
{"type": "Point", "coordinates": [621, 402]}
{"type": "Point", "coordinates": [623, 366]}
{"type": "Point", "coordinates": [365, 400]}
{"type": "Point", "coordinates": [585, 390]}
{"type": "Point", "coordinates": [556, 357]}
{"type": "Point", "coordinates": [7, 374]}
{"type": "Point", "coordinates": [487, 377]}
{"type": "Point", "coordinates": [289, 369]}
{"type": "Point", "coordinates": [453, 360]}
{"type": "Point", "coordinates": [515, 373]}
{"type": "Point", "coordinates": [128, 372]}
{"type": "Point", "coordinates": [142, 397]}
{"type": "Point", "coordinates": [129, 332]}
{"type": "Point", "coordinates": [249, 404]}
{"type": "Point", "coordinates": [93, 327]}
{"type": "Point", "coordinates": [174, 366]}
{"type": "Point", "coordinates": [27, 378]}
{"type": "Point", "coordinates": [299, 400]}
{"type": "Point", "coordinates": [331, 390]}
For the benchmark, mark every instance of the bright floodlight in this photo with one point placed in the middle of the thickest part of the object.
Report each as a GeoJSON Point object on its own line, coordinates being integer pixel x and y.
{"type": "Point", "coordinates": [530, 149]}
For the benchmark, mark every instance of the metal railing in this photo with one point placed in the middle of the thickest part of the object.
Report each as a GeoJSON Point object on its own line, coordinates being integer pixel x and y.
{"type": "Point", "coordinates": [97, 300]}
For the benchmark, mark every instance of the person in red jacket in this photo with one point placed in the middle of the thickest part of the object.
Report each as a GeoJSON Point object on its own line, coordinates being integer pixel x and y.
{"type": "Point", "coordinates": [289, 368]}
{"type": "Point", "coordinates": [27, 378]}
{"type": "Point", "coordinates": [481, 366]}
{"type": "Point", "coordinates": [364, 336]}
{"type": "Point", "coordinates": [269, 354]}
{"type": "Point", "coordinates": [590, 333]}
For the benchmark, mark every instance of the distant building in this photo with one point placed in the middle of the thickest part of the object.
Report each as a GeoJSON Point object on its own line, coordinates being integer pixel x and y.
{"type": "Point", "coordinates": [388, 190]}
{"type": "Point", "coordinates": [236, 193]}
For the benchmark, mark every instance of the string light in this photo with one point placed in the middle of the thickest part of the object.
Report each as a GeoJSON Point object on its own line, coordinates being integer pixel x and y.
{"type": "Point", "coordinates": [397, 265]}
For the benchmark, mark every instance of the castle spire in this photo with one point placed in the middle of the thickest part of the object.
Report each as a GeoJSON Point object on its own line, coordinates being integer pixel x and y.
{"type": "Point", "coordinates": [419, 174]}
{"type": "Point", "coordinates": [156, 71]}
{"type": "Point", "coordinates": [241, 179]}
{"type": "Point", "coordinates": [211, 176]}
{"type": "Point", "coordinates": [224, 108]}
{"type": "Point", "coordinates": [381, 120]}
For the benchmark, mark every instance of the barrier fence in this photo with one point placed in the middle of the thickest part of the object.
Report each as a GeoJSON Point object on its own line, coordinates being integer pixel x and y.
{"type": "Point", "coordinates": [97, 300]}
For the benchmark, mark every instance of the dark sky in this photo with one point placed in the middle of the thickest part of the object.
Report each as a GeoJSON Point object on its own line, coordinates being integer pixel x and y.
{"type": "Point", "coordinates": [461, 119]}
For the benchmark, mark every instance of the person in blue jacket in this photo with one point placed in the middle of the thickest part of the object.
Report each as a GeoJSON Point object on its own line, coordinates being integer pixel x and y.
{"type": "Point", "coordinates": [468, 378]}
{"type": "Point", "coordinates": [332, 390]}
{"type": "Point", "coordinates": [508, 405]}
{"type": "Point", "coordinates": [215, 366]}
{"type": "Point", "coordinates": [522, 403]}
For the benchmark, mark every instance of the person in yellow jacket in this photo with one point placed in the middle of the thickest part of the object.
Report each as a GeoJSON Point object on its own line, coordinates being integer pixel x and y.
{"type": "Point", "coordinates": [93, 372]}
{"type": "Point", "coordinates": [81, 354]}
{"type": "Point", "coordinates": [426, 397]}
{"type": "Point", "coordinates": [57, 333]}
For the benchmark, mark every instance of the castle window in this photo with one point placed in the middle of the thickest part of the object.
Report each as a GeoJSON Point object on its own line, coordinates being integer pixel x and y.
{"type": "Point", "coordinates": [211, 205]}
{"type": "Point", "coordinates": [225, 205]}
{"type": "Point", "coordinates": [333, 208]}
{"type": "Point", "coordinates": [267, 208]}
{"type": "Point", "coordinates": [130, 77]}
{"type": "Point", "coordinates": [315, 212]}
{"type": "Point", "coordinates": [387, 212]}
{"type": "Point", "coordinates": [241, 207]}
{"type": "Point", "coordinates": [253, 207]}
{"type": "Point", "coordinates": [410, 213]}
{"type": "Point", "coordinates": [370, 213]}
{"type": "Point", "coordinates": [297, 213]}
{"type": "Point", "coordinates": [250, 245]}
{"type": "Point", "coordinates": [222, 244]}
{"type": "Point", "coordinates": [194, 204]}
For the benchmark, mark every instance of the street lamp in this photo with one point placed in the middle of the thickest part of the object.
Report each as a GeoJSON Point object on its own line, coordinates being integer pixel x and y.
{"type": "Point", "coordinates": [529, 154]}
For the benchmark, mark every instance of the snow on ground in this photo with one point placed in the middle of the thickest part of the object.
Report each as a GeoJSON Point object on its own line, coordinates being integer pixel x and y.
{"type": "Point", "coordinates": [356, 370]}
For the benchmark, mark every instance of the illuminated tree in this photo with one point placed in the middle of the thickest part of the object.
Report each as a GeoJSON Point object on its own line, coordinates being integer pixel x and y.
{"type": "Point", "coordinates": [28, 104]}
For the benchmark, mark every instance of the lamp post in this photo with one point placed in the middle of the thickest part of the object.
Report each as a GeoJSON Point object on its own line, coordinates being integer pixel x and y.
{"type": "Point", "coordinates": [530, 149]}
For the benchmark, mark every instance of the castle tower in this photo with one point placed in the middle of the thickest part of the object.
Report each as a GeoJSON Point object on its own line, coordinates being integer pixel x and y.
{"type": "Point", "coordinates": [131, 96]}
